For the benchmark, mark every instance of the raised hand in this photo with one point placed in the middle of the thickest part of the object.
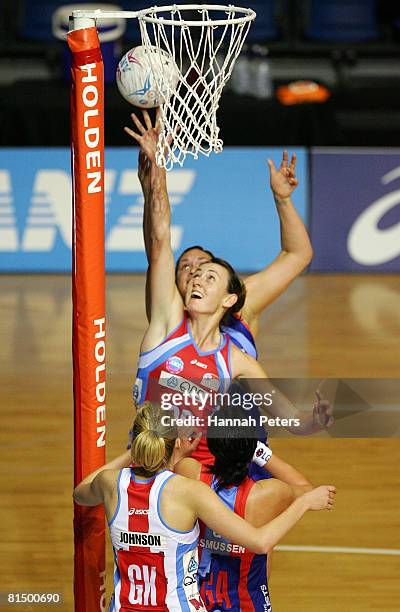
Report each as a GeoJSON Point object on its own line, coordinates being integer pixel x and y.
{"type": "Point", "coordinates": [321, 498]}
{"type": "Point", "coordinates": [147, 136]}
{"type": "Point", "coordinates": [283, 180]}
{"type": "Point", "coordinates": [322, 413]}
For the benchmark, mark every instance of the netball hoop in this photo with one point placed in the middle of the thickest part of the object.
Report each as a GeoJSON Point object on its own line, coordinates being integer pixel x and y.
{"type": "Point", "coordinates": [204, 42]}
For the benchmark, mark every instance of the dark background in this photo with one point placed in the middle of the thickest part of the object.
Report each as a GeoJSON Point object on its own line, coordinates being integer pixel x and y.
{"type": "Point", "coordinates": [356, 56]}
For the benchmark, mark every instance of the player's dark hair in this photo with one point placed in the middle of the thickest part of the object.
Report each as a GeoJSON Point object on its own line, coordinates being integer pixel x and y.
{"type": "Point", "coordinates": [233, 448]}
{"type": "Point", "coordinates": [196, 246]}
{"type": "Point", "coordinates": [235, 285]}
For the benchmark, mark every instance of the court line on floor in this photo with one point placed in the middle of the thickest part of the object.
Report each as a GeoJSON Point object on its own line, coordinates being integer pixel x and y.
{"type": "Point", "coordinates": [338, 549]}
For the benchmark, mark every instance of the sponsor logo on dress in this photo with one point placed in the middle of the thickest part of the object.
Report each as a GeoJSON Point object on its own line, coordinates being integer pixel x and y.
{"type": "Point", "coordinates": [174, 364]}
{"type": "Point", "coordinates": [211, 381]}
{"type": "Point", "coordinates": [187, 387]}
{"type": "Point", "coordinates": [193, 565]}
{"type": "Point", "coordinates": [137, 389]}
{"type": "Point", "coordinates": [267, 601]}
{"type": "Point", "coordinates": [198, 364]}
{"type": "Point", "coordinates": [138, 511]}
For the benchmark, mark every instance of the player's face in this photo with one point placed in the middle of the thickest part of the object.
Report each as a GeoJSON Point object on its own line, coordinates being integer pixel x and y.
{"type": "Point", "coordinates": [187, 266]}
{"type": "Point", "coordinates": [207, 291]}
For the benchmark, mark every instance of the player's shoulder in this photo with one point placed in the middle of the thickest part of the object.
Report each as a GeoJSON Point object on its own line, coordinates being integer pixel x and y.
{"type": "Point", "coordinates": [240, 360]}
{"type": "Point", "coordinates": [106, 480]}
{"type": "Point", "coordinates": [183, 488]}
{"type": "Point", "coordinates": [188, 486]}
{"type": "Point", "coordinates": [271, 489]}
{"type": "Point", "coordinates": [188, 467]}
{"type": "Point", "coordinates": [109, 476]}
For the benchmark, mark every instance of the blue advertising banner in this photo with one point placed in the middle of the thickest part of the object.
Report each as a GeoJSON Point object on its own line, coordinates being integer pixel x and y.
{"type": "Point", "coordinates": [222, 203]}
{"type": "Point", "coordinates": [355, 212]}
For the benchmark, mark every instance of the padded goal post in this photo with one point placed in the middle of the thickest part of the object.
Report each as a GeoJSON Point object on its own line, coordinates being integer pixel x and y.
{"type": "Point", "coordinates": [88, 291]}
{"type": "Point", "coordinates": [188, 126]}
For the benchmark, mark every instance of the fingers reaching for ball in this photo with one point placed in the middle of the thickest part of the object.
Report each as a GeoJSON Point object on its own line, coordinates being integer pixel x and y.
{"type": "Point", "coordinates": [145, 135]}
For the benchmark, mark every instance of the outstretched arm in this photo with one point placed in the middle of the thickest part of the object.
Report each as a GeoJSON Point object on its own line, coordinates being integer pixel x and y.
{"type": "Point", "coordinates": [277, 404]}
{"type": "Point", "coordinates": [213, 512]}
{"type": "Point", "coordinates": [296, 251]}
{"type": "Point", "coordinates": [165, 303]}
{"type": "Point", "coordinates": [144, 174]}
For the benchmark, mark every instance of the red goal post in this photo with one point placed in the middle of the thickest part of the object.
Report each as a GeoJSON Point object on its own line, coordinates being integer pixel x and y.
{"type": "Point", "coordinates": [88, 292]}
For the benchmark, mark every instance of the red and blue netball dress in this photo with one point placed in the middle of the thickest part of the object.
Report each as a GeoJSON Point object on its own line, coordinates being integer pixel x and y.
{"type": "Point", "coordinates": [155, 566]}
{"type": "Point", "coordinates": [177, 366]}
{"type": "Point", "coordinates": [232, 579]}
{"type": "Point", "coordinates": [240, 334]}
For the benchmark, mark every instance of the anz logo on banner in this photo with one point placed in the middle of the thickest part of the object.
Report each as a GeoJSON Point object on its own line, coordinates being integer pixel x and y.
{"type": "Point", "coordinates": [356, 210]}
{"type": "Point", "coordinates": [36, 215]}
{"type": "Point", "coordinates": [222, 203]}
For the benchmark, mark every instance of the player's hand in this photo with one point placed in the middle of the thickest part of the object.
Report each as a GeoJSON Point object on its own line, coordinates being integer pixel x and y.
{"type": "Point", "coordinates": [321, 498]}
{"type": "Point", "coordinates": [147, 136]}
{"type": "Point", "coordinates": [322, 413]}
{"type": "Point", "coordinates": [283, 180]}
{"type": "Point", "coordinates": [185, 447]}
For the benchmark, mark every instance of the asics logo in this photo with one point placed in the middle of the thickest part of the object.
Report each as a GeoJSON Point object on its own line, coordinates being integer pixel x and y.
{"type": "Point", "coordinates": [199, 364]}
{"type": "Point", "coordinates": [138, 511]}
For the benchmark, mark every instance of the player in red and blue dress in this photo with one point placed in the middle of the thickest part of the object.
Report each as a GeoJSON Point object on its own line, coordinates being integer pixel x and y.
{"type": "Point", "coordinates": [178, 366]}
{"type": "Point", "coordinates": [263, 287]}
{"type": "Point", "coordinates": [212, 293]}
{"type": "Point", "coordinates": [151, 560]}
{"type": "Point", "coordinates": [232, 578]}
{"type": "Point", "coordinates": [152, 515]}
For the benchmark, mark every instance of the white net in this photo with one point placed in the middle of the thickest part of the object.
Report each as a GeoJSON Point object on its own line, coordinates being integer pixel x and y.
{"type": "Point", "coordinates": [204, 42]}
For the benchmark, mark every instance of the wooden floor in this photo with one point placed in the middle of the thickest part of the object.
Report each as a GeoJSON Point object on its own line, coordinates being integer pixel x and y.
{"type": "Point", "coordinates": [324, 326]}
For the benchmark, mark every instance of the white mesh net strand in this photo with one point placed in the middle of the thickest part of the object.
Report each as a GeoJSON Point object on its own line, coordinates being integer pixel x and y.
{"type": "Point", "coordinates": [204, 42]}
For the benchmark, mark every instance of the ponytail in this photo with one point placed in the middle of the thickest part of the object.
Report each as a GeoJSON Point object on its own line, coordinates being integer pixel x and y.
{"type": "Point", "coordinates": [148, 448]}
{"type": "Point", "coordinates": [153, 442]}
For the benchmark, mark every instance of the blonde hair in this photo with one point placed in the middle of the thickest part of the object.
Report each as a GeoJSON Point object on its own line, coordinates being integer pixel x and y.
{"type": "Point", "coordinates": [153, 438]}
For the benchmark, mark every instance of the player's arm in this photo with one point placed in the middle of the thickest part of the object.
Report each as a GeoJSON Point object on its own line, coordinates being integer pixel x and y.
{"type": "Point", "coordinates": [213, 512]}
{"type": "Point", "coordinates": [91, 490]}
{"type": "Point", "coordinates": [144, 174]}
{"type": "Point", "coordinates": [288, 474]}
{"type": "Point", "coordinates": [296, 250]}
{"type": "Point", "coordinates": [275, 403]}
{"type": "Point", "coordinates": [279, 469]}
{"type": "Point", "coordinates": [164, 302]}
